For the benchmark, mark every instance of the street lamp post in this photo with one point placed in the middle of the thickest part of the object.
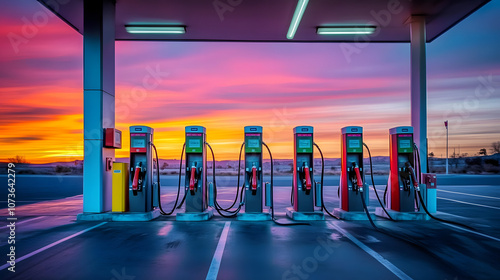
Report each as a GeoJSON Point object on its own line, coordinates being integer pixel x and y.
{"type": "Point", "coordinates": [446, 125]}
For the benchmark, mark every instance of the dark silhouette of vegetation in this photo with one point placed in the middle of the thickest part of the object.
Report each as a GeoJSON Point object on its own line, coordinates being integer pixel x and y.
{"type": "Point", "coordinates": [495, 147]}
{"type": "Point", "coordinates": [63, 169]}
{"type": "Point", "coordinates": [18, 160]}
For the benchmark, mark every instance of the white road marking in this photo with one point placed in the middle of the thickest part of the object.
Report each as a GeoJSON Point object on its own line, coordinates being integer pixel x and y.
{"type": "Point", "coordinates": [475, 204]}
{"type": "Point", "coordinates": [391, 267]}
{"type": "Point", "coordinates": [51, 245]}
{"type": "Point", "coordinates": [452, 215]}
{"type": "Point", "coordinates": [475, 232]}
{"type": "Point", "coordinates": [25, 221]}
{"type": "Point", "coordinates": [219, 251]}
{"type": "Point", "coordinates": [476, 195]}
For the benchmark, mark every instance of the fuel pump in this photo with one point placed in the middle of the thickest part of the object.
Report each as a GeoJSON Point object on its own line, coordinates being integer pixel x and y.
{"type": "Point", "coordinates": [195, 176]}
{"type": "Point", "coordinates": [141, 170]}
{"type": "Point", "coordinates": [401, 182]}
{"type": "Point", "coordinates": [304, 187]}
{"type": "Point", "coordinates": [402, 200]}
{"type": "Point", "coordinates": [352, 183]}
{"type": "Point", "coordinates": [253, 184]}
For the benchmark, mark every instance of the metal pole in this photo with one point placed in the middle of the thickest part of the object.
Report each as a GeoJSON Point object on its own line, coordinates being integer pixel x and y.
{"type": "Point", "coordinates": [419, 86]}
{"type": "Point", "coordinates": [447, 146]}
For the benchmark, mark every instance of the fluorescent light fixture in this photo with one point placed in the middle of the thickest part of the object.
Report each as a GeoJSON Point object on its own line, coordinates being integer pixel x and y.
{"type": "Point", "coordinates": [346, 30]}
{"type": "Point", "coordinates": [297, 16]}
{"type": "Point", "coordinates": [155, 29]}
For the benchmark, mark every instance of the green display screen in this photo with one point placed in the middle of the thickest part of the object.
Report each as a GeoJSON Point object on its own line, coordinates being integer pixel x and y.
{"type": "Point", "coordinates": [304, 144]}
{"type": "Point", "coordinates": [405, 144]}
{"type": "Point", "coordinates": [194, 144]}
{"type": "Point", "coordinates": [354, 144]}
{"type": "Point", "coordinates": [253, 144]}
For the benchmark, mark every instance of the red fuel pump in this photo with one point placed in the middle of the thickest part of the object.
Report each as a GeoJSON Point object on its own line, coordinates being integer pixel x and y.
{"type": "Point", "coordinates": [142, 194]}
{"type": "Point", "coordinates": [303, 197]}
{"type": "Point", "coordinates": [351, 175]}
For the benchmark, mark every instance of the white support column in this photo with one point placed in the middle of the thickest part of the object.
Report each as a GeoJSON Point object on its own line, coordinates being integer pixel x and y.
{"type": "Point", "coordinates": [98, 101]}
{"type": "Point", "coordinates": [419, 86]}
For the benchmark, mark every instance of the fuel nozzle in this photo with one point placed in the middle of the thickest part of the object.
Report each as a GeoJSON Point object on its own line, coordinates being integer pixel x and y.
{"type": "Point", "coordinates": [412, 174]}
{"type": "Point", "coordinates": [138, 178]}
{"type": "Point", "coordinates": [193, 180]}
{"type": "Point", "coordinates": [254, 178]}
{"type": "Point", "coordinates": [306, 182]}
{"type": "Point", "coordinates": [357, 181]}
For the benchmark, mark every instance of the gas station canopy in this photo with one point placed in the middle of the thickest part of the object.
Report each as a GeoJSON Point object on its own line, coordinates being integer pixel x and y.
{"type": "Point", "coordinates": [409, 21]}
{"type": "Point", "coordinates": [272, 20]}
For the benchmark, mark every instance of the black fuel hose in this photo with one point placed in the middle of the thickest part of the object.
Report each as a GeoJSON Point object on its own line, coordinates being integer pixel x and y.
{"type": "Point", "coordinates": [323, 207]}
{"type": "Point", "coordinates": [238, 183]}
{"type": "Point", "coordinates": [158, 180]}
{"type": "Point", "coordinates": [422, 200]}
{"type": "Point", "coordinates": [373, 183]}
{"type": "Point", "coordinates": [272, 195]}
{"type": "Point", "coordinates": [218, 208]}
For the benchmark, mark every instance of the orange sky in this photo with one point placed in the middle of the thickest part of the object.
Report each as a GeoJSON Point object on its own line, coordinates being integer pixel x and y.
{"type": "Point", "coordinates": [225, 87]}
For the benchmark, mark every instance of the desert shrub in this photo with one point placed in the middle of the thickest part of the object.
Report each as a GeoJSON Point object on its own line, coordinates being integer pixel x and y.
{"type": "Point", "coordinates": [492, 168]}
{"type": "Point", "coordinates": [491, 161]}
{"type": "Point", "coordinates": [26, 171]}
{"type": "Point", "coordinates": [62, 169]}
{"type": "Point", "coordinates": [473, 161]}
{"type": "Point", "coordinates": [474, 169]}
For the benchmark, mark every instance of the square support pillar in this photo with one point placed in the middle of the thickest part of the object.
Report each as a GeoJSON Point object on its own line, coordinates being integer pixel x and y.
{"type": "Point", "coordinates": [419, 86]}
{"type": "Point", "coordinates": [98, 102]}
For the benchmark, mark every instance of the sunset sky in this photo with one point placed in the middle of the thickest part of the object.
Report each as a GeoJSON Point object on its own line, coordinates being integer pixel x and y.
{"type": "Point", "coordinates": [225, 86]}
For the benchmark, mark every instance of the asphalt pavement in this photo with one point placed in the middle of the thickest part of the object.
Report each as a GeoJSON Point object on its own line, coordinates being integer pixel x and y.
{"type": "Point", "coordinates": [50, 244]}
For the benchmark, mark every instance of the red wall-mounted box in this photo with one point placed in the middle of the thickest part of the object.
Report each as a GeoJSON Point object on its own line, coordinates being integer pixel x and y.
{"type": "Point", "coordinates": [112, 138]}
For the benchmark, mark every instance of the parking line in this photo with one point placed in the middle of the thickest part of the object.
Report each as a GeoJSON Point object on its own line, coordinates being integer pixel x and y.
{"type": "Point", "coordinates": [215, 265]}
{"type": "Point", "coordinates": [22, 222]}
{"type": "Point", "coordinates": [471, 231]}
{"type": "Point", "coordinates": [51, 245]}
{"type": "Point", "coordinates": [476, 195]}
{"type": "Point", "coordinates": [392, 268]}
{"type": "Point", "coordinates": [475, 204]}
{"type": "Point", "coordinates": [451, 215]}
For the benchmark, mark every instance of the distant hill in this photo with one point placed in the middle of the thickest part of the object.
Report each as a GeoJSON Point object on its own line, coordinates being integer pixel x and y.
{"type": "Point", "coordinates": [473, 165]}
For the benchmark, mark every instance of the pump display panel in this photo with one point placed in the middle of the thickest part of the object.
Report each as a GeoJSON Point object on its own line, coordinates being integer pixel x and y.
{"type": "Point", "coordinates": [354, 143]}
{"type": "Point", "coordinates": [194, 143]}
{"type": "Point", "coordinates": [304, 143]}
{"type": "Point", "coordinates": [253, 143]}
{"type": "Point", "coordinates": [138, 142]}
{"type": "Point", "coordinates": [405, 143]}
